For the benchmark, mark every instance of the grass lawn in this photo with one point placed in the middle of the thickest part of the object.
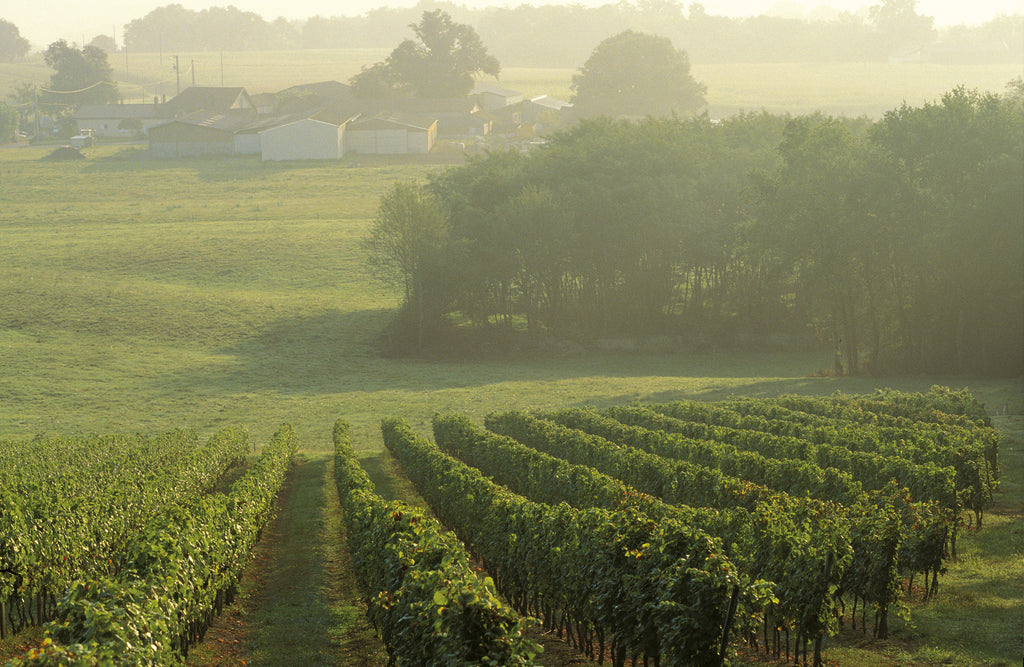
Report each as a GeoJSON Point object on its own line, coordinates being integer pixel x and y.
{"type": "Point", "coordinates": [143, 295]}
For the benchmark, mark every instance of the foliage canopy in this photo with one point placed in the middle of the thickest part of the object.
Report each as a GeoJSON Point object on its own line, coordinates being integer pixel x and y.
{"type": "Point", "coordinates": [12, 45]}
{"type": "Point", "coordinates": [896, 244]}
{"type": "Point", "coordinates": [81, 76]}
{"type": "Point", "coordinates": [636, 74]}
{"type": "Point", "coordinates": [440, 63]}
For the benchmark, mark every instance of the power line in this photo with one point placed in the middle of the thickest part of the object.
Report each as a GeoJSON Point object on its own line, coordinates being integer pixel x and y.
{"type": "Point", "coordinates": [80, 90]}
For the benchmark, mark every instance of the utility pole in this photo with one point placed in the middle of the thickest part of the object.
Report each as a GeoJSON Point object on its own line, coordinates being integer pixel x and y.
{"type": "Point", "coordinates": [193, 73]}
{"type": "Point", "coordinates": [177, 71]}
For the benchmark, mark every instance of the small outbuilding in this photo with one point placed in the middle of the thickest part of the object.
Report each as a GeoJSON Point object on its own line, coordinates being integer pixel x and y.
{"type": "Point", "coordinates": [391, 134]}
{"type": "Point", "coordinates": [306, 139]}
{"type": "Point", "coordinates": [492, 97]}
{"type": "Point", "coordinates": [197, 135]}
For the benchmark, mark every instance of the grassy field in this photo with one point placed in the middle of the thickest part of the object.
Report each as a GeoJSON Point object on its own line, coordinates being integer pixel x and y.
{"type": "Point", "coordinates": [851, 89]}
{"type": "Point", "coordinates": [143, 295]}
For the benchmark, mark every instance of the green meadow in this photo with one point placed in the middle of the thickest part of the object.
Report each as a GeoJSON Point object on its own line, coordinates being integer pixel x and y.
{"type": "Point", "coordinates": [851, 89]}
{"type": "Point", "coordinates": [142, 295]}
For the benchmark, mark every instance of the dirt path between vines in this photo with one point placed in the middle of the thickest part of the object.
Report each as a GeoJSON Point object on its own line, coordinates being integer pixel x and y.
{"type": "Point", "coordinates": [298, 603]}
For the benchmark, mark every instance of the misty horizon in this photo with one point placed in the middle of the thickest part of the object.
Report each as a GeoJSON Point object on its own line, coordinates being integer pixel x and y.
{"type": "Point", "coordinates": [77, 23]}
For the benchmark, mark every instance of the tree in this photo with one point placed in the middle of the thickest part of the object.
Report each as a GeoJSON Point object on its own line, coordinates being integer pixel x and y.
{"type": "Point", "coordinates": [1015, 90]}
{"type": "Point", "coordinates": [404, 248]}
{"type": "Point", "coordinates": [104, 43]}
{"type": "Point", "coordinates": [9, 119]}
{"type": "Point", "coordinates": [442, 63]}
{"type": "Point", "coordinates": [822, 209]}
{"type": "Point", "coordinates": [900, 28]}
{"type": "Point", "coordinates": [961, 263]}
{"type": "Point", "coordinates": [82, 76]}
{"type": "Point", "coordinates": [636, 74]}
{"type": "Point", "coordinates": [12, 45]}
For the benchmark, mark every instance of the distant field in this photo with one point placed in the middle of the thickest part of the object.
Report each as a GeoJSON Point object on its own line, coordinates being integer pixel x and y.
{"type": "Point", "coordinates": [852, 89]}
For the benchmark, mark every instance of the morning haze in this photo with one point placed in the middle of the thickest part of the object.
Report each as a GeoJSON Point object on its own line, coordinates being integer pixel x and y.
{"type": "Point", "coordinates": [750, 276]}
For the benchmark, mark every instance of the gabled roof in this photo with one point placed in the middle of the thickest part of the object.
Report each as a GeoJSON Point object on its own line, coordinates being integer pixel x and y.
{"type": "Point", "coordinates": [219, 100]}
{"type": "Point", "coordinates": [481, 87]}
{"type": "Point", "coordinates": [326, 90]}
{"type": "Point", "coordinates": [303, 121]}
{"type": "Point", "coordinates": [328, 116]}
{"type": "Point", "coordinates": [550, 102]}
{"type": "Point", "coordinates": [227, 122]}
{"type": "Point", "coordinates": [415, 106]}
{"type": "Point", "coordinates": [387, 121]}
{"type": "Point", "coordinates": [262, 99]}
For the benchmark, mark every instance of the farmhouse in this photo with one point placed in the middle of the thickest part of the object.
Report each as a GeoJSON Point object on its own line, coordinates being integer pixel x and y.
{"type": "Point", "coordinates": [391, 134]}
{"type": "Point", "coordinates": [211, 99]}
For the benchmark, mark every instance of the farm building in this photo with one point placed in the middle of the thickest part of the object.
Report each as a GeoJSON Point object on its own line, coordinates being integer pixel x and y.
{"type": "Point", "coordinates": [197, 134]}
{"type": "Point", "coordinates": [491, 97]}
{"type": "Point", "coordinates": [306, 139]}
{"type": "Point", "coordinates": [390, 134]}
{"type": "Point", "coordinates": [118, 120]}
{"type": "Point", "coordinates": [322, 94]}
{"type": "Point", "coordinates": [210, 99]}
{"type": "Point", "coordinates": [538, 114]}
{"type": "Point", "coordinates": [454, 116]}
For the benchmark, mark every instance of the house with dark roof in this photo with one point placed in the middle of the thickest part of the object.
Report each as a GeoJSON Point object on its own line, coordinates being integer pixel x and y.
{"type": "Point", "coordinates": [307, 97]}
{"type": "Point", "coordinates": [220, 100]}
{"type": "Point", "coordinates": [326, 92]}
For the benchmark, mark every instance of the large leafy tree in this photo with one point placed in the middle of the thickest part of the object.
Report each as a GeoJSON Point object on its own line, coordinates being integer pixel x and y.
{"type": "Point", "coordinates": [636, 74]}
{"type": "Point", "coordinates": [404, 247]}
{"type": "Point", "coordinates": [12, 45]}
{"type": "Point", "coordinates": [899, 28]}
{"type": "Point", "coordinates": [959, 265]}
{"type": "Point", "coordinates": [81, 76]}
{"type": "Point", "coordinates": [441, 62]}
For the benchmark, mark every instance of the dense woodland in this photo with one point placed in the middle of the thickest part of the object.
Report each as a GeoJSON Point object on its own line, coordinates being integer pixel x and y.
{"type": "Point", "coordinates": [563, 36]}
{"type": "Point", "coordinates": [898, 243]}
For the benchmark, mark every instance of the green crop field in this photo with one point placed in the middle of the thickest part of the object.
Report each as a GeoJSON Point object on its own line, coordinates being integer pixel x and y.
{"type": "Point", "coordinates": [142, 295]}
{"type": "Point", "coordinates": [851, 89]}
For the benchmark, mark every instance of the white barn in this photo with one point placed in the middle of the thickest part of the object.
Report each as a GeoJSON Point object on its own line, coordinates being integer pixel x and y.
{"type": "Point", "coordinates": [307, 139]}
{"type": "Point", "coordinates": [391, 135]}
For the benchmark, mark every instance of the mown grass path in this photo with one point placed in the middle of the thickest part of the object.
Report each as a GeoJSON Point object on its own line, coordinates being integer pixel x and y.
{"type": "Point", "coordinates": [299, 604]}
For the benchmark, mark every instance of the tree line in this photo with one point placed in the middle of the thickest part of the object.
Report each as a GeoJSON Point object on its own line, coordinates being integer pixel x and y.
{"type": "Point", "coordinates": [563, 35]}
{"type": "Point", "coordinates": [898, 244]}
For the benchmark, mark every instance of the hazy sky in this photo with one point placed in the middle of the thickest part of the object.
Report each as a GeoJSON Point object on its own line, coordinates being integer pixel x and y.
{"type": "Point", "coordinates": [44, 21]}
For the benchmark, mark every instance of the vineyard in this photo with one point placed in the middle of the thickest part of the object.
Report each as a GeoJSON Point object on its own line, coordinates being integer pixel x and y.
{"type": "Point", "coordinates": [678, 533]}
{"type": "Point", "coordinates": [128, 554]}
{"type": "Point", "coordinates": [675, 533]}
